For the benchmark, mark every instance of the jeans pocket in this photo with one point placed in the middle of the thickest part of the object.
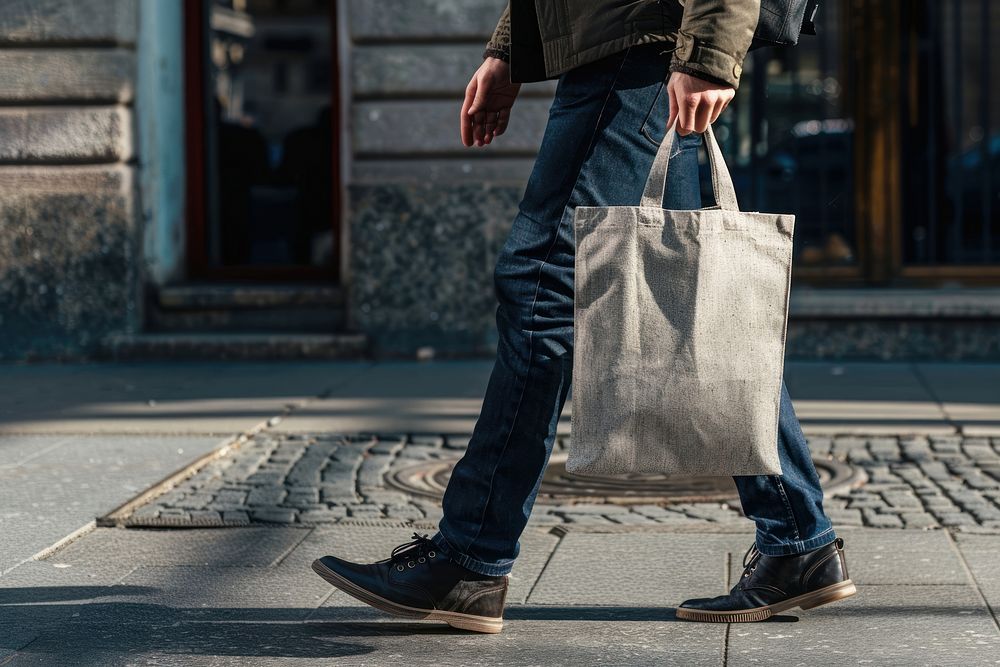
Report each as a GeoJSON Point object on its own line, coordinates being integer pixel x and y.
{"type": "Point", "coordinates": [654, 124]}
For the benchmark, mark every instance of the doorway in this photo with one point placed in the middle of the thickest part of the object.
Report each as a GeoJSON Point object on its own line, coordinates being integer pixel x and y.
{"type": "Point", "coordinates": [263, 141]}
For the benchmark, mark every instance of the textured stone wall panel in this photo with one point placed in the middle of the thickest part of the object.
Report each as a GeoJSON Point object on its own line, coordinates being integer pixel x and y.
{"type": "Point", "coordinates": [67, 258]}
{"type": "Point", "coordinates": [421, 69]}
{"type": "Point", "coordinates": [422, 259]}
{"type": "Point", "coordinates": [68, 21]}
{"type": "Point", "coordinates": [61, 135]}
{"type": "Point", "coordinates": [426, 19]}
{"type": "Point", "coordinates": [91, 75]}
{"type": "Point", "coordinates": [507, 170]}
{"type": "Point", "coordinates": [432, 127]}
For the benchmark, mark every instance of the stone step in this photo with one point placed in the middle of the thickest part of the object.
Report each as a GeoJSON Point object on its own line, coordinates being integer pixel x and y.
{"type": "Point", "coordinates": [242, 308]}
{"type": "Point", "coordinates": [225, 345]}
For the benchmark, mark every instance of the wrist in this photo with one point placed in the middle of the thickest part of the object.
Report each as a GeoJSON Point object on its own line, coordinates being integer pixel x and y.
{"type": "Point", "coordinates": [497, 53]}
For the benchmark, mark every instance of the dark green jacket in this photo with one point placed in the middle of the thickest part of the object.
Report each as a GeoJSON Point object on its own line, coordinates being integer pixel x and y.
{"type": "Point", "coordinates": [541, 39]}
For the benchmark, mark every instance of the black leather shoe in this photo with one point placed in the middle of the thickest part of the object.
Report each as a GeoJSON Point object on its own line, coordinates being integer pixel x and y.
{"type": "Point", "coordinates": [772, 584]}
{"type": "Point", "coordinates": [417, 581]}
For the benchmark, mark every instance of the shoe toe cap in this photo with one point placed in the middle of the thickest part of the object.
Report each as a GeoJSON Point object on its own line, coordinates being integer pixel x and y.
{"type": "Point", "coordinates": [343, 567]}
{"type": "Point", "coordinates": [695, 603]}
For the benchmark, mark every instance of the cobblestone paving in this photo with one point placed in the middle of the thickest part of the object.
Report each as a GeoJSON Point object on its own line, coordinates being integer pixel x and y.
{"type": "Point", "coordinates": [919, 482]}
{"type": "Point", "coordinates": [913, 482]}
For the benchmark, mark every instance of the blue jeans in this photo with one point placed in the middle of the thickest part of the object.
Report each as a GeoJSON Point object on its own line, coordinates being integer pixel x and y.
{"type": "Point", "coordinates": [603, 130]}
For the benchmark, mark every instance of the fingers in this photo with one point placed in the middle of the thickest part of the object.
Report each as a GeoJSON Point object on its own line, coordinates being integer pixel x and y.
{"type": "Point", "coordinates": [687, 109]}
{"type": "Point", "coordinates": [720, 106]}
{"type": "Point", "coordinates": [478, 125]}
{"type": "Point", "coordinates": [474, 119]}
{"type": "Point", "coordinates": [703, 114]}
{"type": "Point", "coordinates": [673, 106]}
{"type": "Point", "coordinates": [503, 117]}
{"type": "Point", "coordinates": [465, 120]}
{"type": "Point", "coordinates": [479, 128]}
{"type": "Point", "coordinates": [725, 103]}
{"type": "Point", "coordinates": [697, 111]}
{"type": "Point", "coordinates": [482, 90]}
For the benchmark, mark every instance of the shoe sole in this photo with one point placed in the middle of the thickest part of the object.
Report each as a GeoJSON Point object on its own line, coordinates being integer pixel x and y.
{"type": "Point", "coordinates": [484, 624]}
{"type": "Point", "coordinates": [844, 589]}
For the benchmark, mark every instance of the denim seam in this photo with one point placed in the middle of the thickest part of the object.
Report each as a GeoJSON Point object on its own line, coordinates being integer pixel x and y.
{"type": "Point", "coordinates": [468, 562]}
{"type": "Point", "coordinates": [534, 300]}
{"type": "Point", "coordinates": [788, 506]}
{"type": "Point", "coordinates": [796, 547]}
{"type": "Point", "coordinates": [649, 112]}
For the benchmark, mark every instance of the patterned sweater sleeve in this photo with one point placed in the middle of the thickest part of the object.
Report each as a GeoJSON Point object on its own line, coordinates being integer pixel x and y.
{"type": "Point", "coordinates": [499, 44]}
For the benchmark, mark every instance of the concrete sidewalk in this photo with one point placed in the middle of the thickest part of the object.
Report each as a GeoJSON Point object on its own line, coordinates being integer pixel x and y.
{"type": "Point", "coordinates": [247, 597]}
{"type": "Point", "coordinates": [223, 398]}
{"type": "Point", "coordinates": [77, 441]}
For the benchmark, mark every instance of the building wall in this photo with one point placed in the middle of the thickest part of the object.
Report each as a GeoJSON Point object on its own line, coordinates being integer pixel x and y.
{"type": "Point", "coordinates": [68, 236]}
{"type": "Point", "coordinates": [90, 217]}
{"type": "Point", "coordinates": [427, 215]}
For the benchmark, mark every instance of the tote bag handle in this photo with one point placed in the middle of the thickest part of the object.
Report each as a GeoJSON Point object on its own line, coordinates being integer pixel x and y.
{"type": "Point", "coordinates": [722, 183]}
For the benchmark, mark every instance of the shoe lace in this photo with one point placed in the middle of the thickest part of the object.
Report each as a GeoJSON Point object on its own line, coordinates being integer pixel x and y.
{"type": "Point", "coordinates": [419, 550]}
{"type": "Point", "coordinates": [750, 560]}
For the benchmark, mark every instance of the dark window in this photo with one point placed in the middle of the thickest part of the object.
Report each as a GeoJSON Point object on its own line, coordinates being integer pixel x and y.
{"type": "Point", "coordinates": [951, 134]}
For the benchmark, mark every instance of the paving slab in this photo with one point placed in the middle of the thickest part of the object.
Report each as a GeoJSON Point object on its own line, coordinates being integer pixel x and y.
{"type": "Point", "coordinates": [969, 394]}
{"type": "Point", "coordinates": [527, 643]}
{"type": "Point", "coordinates": [537, 547]}
{"type": "Point", "coordinates": [160, 397]}
{"type": "Point", "coordinates": [856, 381]}
{"type": "Point", "coordinates": [635, 569]}
{"type": "Point", "coordinates": [882, 625]}
{"type": "Point", "coordinates": [887, 556]}
{"type": "Point", "coordinates": [51, 580]}
{"type": "Point", "coordinates": [223, 593]}
{"type": "Point", "coordinates": [423, 397]}
{"type": "Point", "coordinates": [982, 555]}
{"type": "Point", "coordinates": [870, 398]}
{"type": "Point", "coordinates": [37, 593]}
{"type": "Point", "coordinates": [249, 547]}
{"type": "Point", "coordinates": [50, 486]}
{"type": "Point", "coordinates": [220, 397]}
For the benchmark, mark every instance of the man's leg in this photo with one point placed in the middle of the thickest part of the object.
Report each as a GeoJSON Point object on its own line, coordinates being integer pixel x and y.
{"type": "Point", "coordinates": [796, 559]}
{"type": "Point", "coordinates": [787, 508]}
{"type": "Point", "coordinates": [596, 152]}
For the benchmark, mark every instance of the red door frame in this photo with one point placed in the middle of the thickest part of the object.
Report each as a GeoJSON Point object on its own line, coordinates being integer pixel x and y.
{"type": "Point", "coordinates": [198, 266]}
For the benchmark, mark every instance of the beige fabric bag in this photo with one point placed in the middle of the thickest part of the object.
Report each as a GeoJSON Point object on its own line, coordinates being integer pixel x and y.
{"type": "Point", "coordinates": [679, 331]}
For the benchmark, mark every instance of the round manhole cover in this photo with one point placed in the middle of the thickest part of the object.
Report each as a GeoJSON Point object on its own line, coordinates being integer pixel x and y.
{"type": "Point", "coordinates": [430, 478]}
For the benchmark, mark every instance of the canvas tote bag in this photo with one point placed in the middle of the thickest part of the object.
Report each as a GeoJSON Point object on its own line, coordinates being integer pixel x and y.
{"type": "Point", "coordinates": [679, 333]}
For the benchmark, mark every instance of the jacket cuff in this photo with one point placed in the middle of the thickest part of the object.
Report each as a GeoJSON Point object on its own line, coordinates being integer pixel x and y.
{"type": "Point", "coordinates": [683, 68]}
{"type": "Point", "coordinates": [497, 51]}
{"type": "Point", "coordinates": [705, 62]}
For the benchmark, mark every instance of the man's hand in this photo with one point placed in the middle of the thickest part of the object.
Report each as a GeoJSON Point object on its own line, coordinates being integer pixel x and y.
{"type": "Point", "coordinates": [488, 99]}
{"type": "Point", "coordinates": [696, 103]}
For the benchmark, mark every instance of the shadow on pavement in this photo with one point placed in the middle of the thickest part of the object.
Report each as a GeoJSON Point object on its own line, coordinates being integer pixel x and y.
{"type": "Point", "coordinates": [87, 630]}
{"type": "Point", "coordinates": [34, 595]}
{"type": "Point", "coordinates": [102, 633]}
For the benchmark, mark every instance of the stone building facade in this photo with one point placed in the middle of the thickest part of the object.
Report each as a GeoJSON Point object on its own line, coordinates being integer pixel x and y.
{"type": "Point", "coordinates": [98, 172]}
